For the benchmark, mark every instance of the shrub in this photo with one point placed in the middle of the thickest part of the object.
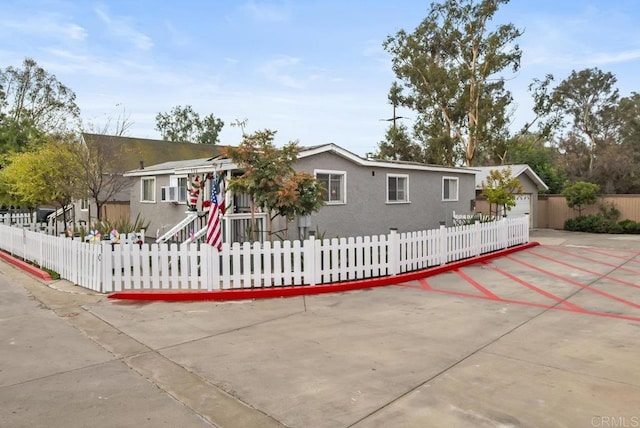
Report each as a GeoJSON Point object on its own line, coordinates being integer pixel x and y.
{"type": "Point", "coordinates": [600, 223]}
{"type": "Point", "coordinates": [630, 226]}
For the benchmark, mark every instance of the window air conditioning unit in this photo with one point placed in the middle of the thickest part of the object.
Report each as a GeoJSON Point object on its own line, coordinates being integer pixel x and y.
{"type": "Point", "coordinates": [169, 193]}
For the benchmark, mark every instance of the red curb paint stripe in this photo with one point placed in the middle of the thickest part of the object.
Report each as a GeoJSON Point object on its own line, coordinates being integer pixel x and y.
{"type": "Point", "coordinates": [599, 275]}
{"type": "Point", "coordinates": [534, 288]}
{"type": "Point", "coordinates": [538, 305]}
{"type": "Point", "coordinates": [476, 284]}
{"type": "Point", "coordinates": [264, 293]}
{"type": "Point", "coordinates": [589, 259]}
{"type": "Point", "coordinates": [479, 296]}
{"type": "Point", "coordinates": [424, 284]}
{"type": "Point", "coordinates": [613, 255]}
{"type": "Point", "coordinates": [576, 283]}
{"type": "Point", "coordinates": [38, 273]}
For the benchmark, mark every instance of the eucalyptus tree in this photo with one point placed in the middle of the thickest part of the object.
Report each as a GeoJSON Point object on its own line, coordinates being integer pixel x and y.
{"type": "Point", "coordinates": [452, 67]}
{"type": "Point", "coordinates": [32, 96]}
{"type": "Point", "coordinates": [183, 124]}
{"type": "Point", "coordinates": [33, 104]}
{"type": "Point", "coordinates": [595, 129]}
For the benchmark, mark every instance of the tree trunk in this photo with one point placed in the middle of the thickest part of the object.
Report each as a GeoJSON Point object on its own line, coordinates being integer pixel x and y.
{"type": "Point", "coordinates": [98, 210]}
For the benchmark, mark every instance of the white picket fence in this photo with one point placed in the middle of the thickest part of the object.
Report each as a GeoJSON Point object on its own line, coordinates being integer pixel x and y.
{"type": "Point", "coordinates": [106, 267]}
{"type": "Point", "coordinates": [28, 221]}
{"type": "Point", "coordinates": [16, 218]}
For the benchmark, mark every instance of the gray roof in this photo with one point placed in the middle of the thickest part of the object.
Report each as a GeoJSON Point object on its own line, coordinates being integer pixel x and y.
{"type": "Point", "coordinates": [178, 164]}
{"type": "Point", "coordinates": [187, 166]}
{"type": "Point", "coordinates": [516, 171]}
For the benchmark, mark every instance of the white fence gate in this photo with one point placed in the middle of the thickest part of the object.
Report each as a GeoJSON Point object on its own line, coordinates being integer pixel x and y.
{"type": "Point", "coordinates": [107, 267]}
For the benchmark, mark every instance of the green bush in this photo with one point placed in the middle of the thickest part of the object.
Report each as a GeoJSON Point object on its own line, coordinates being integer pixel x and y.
{"type": "Point", "coordinates": [630, 226]}
{"type": "Point", "coordinates": [600, 223]}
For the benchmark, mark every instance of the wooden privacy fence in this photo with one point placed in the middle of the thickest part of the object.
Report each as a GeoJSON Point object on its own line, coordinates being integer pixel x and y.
{"type": "Point", "coordinates": [106, 267]}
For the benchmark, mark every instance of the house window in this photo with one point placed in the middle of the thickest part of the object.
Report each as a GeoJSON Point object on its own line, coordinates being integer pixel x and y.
{"type": "Point", "coordinates": [397, 188]}
{"type": "Point", "coordinates": [449, 188]}
{"type": "Point", "coordinates": [84, 204]}
{"type": "Point", "coordinates": [148, 190]}
{"type": "Point", "coordinates": [182, 184]}
{"type": "Point", "coordinates": [334, 186]}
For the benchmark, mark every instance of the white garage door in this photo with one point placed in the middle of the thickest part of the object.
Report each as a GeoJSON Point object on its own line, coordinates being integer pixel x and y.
{"type": "Point", "coordinates": [523, 206]}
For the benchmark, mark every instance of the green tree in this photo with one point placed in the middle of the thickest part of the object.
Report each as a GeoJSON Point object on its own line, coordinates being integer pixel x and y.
{"type": "Point", "coordinates": [582, 104]}
{"type": "Point", "coordinates": [183, 124]}
{"type": "Point", "coordinates": [628, 138]}
{"type": "Point", "coordinates": [580, 194]}
{"type": "Point", "coordinates": [18, 137]}
{"type": "Point", "coordinates": [30, 96]}
{"type": "Point", "coordinates": [500, 190]}
{"type": "Point", "coordinates": [397, 144]}
{"type": "Point", "coordinates": [48, 174]}
{"type": "Point", "coordinates": [270, 179]}
{"type": "Point", "coordinates": [451, 65]}
{"type": "Point", "coordinates": [530, 149]}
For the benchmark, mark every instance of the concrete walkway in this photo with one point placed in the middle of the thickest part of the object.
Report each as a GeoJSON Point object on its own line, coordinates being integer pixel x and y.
{"type": "Point", "coordinates": [406, 355]}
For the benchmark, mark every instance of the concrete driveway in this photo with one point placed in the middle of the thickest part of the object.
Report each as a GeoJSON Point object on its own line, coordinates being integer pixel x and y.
{"type": "Point", "coordinates": [546, 337]}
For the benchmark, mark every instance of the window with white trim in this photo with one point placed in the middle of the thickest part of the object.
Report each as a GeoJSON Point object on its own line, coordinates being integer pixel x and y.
{"type": "Point", "coordinates": [449, 188]}
{"type": "Point", "coordinates": [148, 189]}
{"type": "Point", "coordinates": [181, 182]}
{"type": "Point", "coordinates": [334, 184]}
{"type": "Point", "coordinates": [84, 204]}
{"type": "Point", "coordinates": [397, 188]}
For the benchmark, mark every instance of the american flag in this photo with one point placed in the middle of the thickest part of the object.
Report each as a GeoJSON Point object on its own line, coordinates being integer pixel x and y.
{"type": "Point", "coordinates": [217, 209]}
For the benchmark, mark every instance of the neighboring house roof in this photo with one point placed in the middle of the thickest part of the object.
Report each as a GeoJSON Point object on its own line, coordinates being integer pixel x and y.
{"type": "Point", "coordinates": [516, 171]}
{"type": "Point", "coordinates": [152, 152]}
{"type": "Point", "coordinates": [208, 165]}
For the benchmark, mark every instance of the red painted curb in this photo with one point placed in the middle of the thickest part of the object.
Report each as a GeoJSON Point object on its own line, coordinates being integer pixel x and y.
{"type": "Point", "coordinates": [299, 290]}
{"type": "Point", "coordinates": [33, 270]}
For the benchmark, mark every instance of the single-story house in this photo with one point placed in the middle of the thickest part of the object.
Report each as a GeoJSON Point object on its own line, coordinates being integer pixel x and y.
{"type": "Point", "coordinates": [526, 201]}
{"type": "Point", "coordinates": [364, 196]}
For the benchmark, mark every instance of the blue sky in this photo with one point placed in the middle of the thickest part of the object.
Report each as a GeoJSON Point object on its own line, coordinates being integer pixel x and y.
{"type": "Point", "coordinates": [314, 70]}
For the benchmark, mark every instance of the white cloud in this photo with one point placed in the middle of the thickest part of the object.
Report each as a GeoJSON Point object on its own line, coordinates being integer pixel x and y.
{"type": "Point", "coordinates": [121, 28]}
{"type": "Point", "coordinates": [49, 25]}
{"type": "Point", "coordinates": [177, 37]}
{"type": "Point", "coordinates": [604, 58]}
{"type": "Point", "coordinates": [267, 12]}
{"type": "Point", "coordinates": [279, 70]}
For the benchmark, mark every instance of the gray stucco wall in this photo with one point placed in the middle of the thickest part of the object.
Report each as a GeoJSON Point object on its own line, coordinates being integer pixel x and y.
{"type": "Point", "coordinates": [161, 215]}
{"type": "Point", "coordinates": [366, 211]}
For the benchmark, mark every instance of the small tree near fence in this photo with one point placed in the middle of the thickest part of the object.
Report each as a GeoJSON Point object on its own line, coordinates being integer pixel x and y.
{"type": "Point", "coordinates": [580, 194]}
{"type": "Point", "coordinates": [270, 179]}
{"type": "Point", "coordinates": [500, 190]}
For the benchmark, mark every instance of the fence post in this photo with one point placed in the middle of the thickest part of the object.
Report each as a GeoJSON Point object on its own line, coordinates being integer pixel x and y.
{"type": "Point", "coordinates": [206, 260]}
{"type": "Point", "coordinates": [504, 233]}
{"type": "Point", "coordinates": [443, 244]}
{"type": "Point", "coordinates": [525, 236]}
{"type": "Point", "coordinates": [309, 269]}
{"type": "Point", "coordinates": [105, 258]}
{"type": "Point", "coordinates": [477, 239]}
{"type": "Point", "coordinates": [393, 251]}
